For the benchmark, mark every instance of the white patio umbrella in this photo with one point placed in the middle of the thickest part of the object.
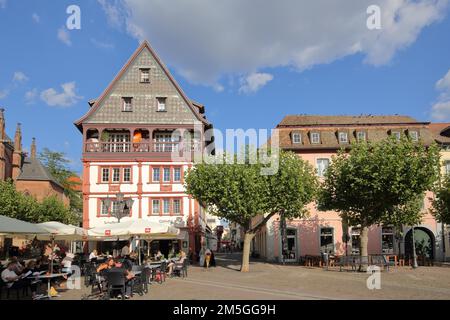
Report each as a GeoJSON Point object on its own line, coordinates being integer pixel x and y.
{"type": "Point", "coordinates": [11, 226]}
{"type": "Point", "coordinates": [61, 231]}
{"type": "Point", "coordinates": [143, 229]}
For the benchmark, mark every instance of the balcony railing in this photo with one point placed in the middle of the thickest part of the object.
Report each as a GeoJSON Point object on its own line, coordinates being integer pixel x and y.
{"type": "Point", "coordinates": [129, 147]}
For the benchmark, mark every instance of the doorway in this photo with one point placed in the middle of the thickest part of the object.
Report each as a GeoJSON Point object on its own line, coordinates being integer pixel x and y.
{"type": "Point", "coordinates": [424, 241]}
{"type": "Point", "coordinates": [290, 252]}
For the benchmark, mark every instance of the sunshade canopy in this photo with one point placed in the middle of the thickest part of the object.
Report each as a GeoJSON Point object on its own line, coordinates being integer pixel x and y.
{"type": "Point", "coordinates": [61, 231]}
{"type": "Point", "coordinates": [143, 228]}
{"type": "Point", "coordinates": [11, 226]}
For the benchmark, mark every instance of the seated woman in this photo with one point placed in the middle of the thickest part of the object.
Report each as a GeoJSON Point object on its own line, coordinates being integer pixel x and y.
{"type": "Point", "coordinates": [31, 279]}
{"type": "Point", "coordinates": [172, 264]}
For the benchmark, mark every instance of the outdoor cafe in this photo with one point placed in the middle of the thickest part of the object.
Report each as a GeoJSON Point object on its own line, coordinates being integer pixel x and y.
{"type": "Point", "coordinates": [118, 274]}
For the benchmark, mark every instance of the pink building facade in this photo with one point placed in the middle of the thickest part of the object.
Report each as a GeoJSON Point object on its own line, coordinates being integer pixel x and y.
{"type": "Point", "coordinates": [317, 139]}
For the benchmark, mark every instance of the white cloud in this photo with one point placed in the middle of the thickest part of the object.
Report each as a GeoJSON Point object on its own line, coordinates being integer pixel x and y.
{"type": "Point", "coordinates": [2, 4]}
{"type": "Point", "coordinates": [36, 18]}
{"type": "Point", "coordinates": [30, 96]}
{"type": "Point", "coordinates": [102, 44]}
{"type": "Point", "coordinates": [64, 36]}
{"type": "Point", "coordinates": [20, 77]}
{"type": "Point", "coordinates": [65, 98]}
{"type": "Point", "coordinates": [254, 81]}
{"type": "Point", "coordinates": [4, 93]}
{"type": "Point", "coordinates": [444, 83]}
{"type": "Point", "coordinates": [441, 111]}
{"type": "Point", "coordinates": [212, 40]}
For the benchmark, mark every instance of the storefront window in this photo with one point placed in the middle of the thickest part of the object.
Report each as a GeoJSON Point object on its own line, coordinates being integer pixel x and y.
{"type": "Point", "coordinates": [356, 240]}
{"type": "Point", "coordinates": [387, 239]}
{"type": "Point", "coordinates": [326, 240]}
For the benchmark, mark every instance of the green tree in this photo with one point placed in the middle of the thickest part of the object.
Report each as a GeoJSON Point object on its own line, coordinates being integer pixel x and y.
{"type": "Point", "coordinates": [378, 182]}
{"type": "Point", "coordinates": [57, 164]}
{"type": "Point", "coordinates": [53, 209]}
{"type": "Point", "coordinates": [239, 193]}
{"type": "Point", "coordinates": [15, 204]}
{"type": "Point", "coordinates": [441, 203]}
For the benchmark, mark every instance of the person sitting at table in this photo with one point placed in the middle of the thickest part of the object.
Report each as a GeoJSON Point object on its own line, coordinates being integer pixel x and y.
{"type": "Point", "coordinates": [129, 277]}
{"type": "Point", "coordinates": [158, 255]}
{"type": "Point", "coordinates": [18, 267]}
{"type": "Point", "coordinates": [11, 278]}
{"type": "Point", "coordinates": [67, 263]}
{"type": "Point", "coordinates": [173, 262]}
{"type": "Point", "coordinates": [93, 256]}
{"type": "Point", "coordinates": [109, 264]}
{"type": "Point", "coordinates": [31, 280]}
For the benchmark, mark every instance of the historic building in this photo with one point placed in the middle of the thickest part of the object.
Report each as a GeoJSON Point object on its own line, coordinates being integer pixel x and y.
{"type": "Point", "coordinates": [27, 172]}
{"type": "Point", "coordinates": [139, 138]}
{"type": "Point", "coordinates": [316, 139]}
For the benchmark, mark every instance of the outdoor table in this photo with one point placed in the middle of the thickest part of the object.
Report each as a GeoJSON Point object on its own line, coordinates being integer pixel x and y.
{"type": "Point", "coordinates": [49, 277]}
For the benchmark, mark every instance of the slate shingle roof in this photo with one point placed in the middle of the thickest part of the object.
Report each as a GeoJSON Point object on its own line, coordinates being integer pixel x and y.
{"type": "Point", "coordinates": [34, 170]}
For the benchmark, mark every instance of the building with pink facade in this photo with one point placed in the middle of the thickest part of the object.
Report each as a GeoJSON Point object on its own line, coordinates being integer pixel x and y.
{"type": "Point", "coordinates": [316, 139]}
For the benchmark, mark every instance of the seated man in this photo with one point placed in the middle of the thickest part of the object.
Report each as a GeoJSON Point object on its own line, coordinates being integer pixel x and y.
{"type": "Point", "coordinates": [129, 276]}
{"type": "Point", "coordinates": [10, 277]}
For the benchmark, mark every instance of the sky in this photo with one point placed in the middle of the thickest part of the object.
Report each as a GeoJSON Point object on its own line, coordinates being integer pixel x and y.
{"type": "Point", "coordinates": [250, 62]}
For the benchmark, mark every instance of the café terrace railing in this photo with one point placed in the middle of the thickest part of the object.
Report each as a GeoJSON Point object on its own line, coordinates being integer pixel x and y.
{"type": "Point", "coordinates": [130, 147]}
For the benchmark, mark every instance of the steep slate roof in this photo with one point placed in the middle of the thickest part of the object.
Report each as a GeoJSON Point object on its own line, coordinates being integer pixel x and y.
{"type": "Point", "coordinates": [144, 117]}
{"type": "Point", "coordinates": [376, 128]}
{"type": "Point", "coordinates": [441, 132]}
{"type": "Point", "coordinates": [33, 170]}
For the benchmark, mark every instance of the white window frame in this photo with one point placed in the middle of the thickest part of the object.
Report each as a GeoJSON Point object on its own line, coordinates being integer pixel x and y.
{"type": "Point", "coordinates": [361, 136]}
{"type": "Point", "coordinates": [321, 171]}
{"type": "Point", "coordinates": [158, 207]}
{"type": "Point", "coordinates": [145, 71]}
{"type": "Point", "coordinates": [176, 174]}
{"type": "Point", "coordinates": [165, 170]}
{"type": "Point", "coordinates": [397, 135]}
{"type": "Point", "coordinates": [414, 135]}
{"type": "Point", "coordinates": [447, 167]}
{"type": "Point", "coordinates": [176, 211]}
{"type": "Point", "coordinates": [115, 177]}
{"type": "Point", "coordinates": [332, 239]}
{"type": "Point", "coordinates": [343, 134]}
{"type": "Point", "coordinates": [104, 170]}
{"type": "Point", "coordinates": [315, 137]}
{"type": "Point", "coordinates": [127, 104]}
{"type": "Point", "coordinates": [162, 104]}
{"type": "Point", "coordinates": [127, 174]}
{"type": "Point", "coordinates": [296, 138]}
{"type": "Point", "coordinates": [153, 174]}
{"type": "Point", "coordinates": [166, 201]}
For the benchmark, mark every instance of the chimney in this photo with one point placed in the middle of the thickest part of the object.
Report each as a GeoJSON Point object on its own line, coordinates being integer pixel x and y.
{"type": "Point", "coordinates": [33, 148]}
{"type": "Point", "coordinates": [2, 124]}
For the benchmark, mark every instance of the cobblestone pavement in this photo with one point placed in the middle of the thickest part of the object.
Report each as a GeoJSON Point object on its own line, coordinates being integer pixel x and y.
{"type": "Point", "coordinates": [270, 282]}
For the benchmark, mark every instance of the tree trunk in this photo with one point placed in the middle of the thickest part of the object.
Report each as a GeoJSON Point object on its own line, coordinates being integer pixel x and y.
{"type": "Point", "coordinates": [248, 237]}
{"type": "Point", "coordinates": [364, 239]}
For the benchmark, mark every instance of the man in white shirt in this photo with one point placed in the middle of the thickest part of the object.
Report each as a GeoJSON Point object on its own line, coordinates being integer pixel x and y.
{"type": "Point", "coordinates": [10, 278]}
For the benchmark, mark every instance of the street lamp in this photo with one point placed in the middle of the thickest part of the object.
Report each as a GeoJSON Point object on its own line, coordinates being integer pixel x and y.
{"type": "Point", "coordinates": [123, 206]}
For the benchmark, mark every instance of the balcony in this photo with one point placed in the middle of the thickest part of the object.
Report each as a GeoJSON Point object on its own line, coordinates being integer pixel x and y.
{"type": "Point", "coordinates": [120, 143]}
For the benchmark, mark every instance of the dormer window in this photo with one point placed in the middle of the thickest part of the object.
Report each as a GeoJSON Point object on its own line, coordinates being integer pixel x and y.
{"type": "Point", "coordinates": [296, 138]}
{"type": "Point", "coordinates": [127, 104]}
{"type": "Point", "coordinates": [396, 134]}
{"type": "Point", "coordinates": [361, 136]}
{"type": "Point", "coordinates": [343, 137]}
{"type": "Point", "coordinates": [145, 75]}
{"type": "Point", "coordinates": [161, 104]}
{"type": "Point", "coordinates": [315, 137]}
{"type": "Point", "coordinates": [414, 135]}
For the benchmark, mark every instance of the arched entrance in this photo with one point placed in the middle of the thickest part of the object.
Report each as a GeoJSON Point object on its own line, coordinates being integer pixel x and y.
{"type": "Point", "coordinates": [424, 240]}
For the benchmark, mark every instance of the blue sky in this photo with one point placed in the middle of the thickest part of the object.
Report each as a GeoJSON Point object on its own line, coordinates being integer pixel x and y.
{"type": "Point", "coordinates": [240, 88]}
